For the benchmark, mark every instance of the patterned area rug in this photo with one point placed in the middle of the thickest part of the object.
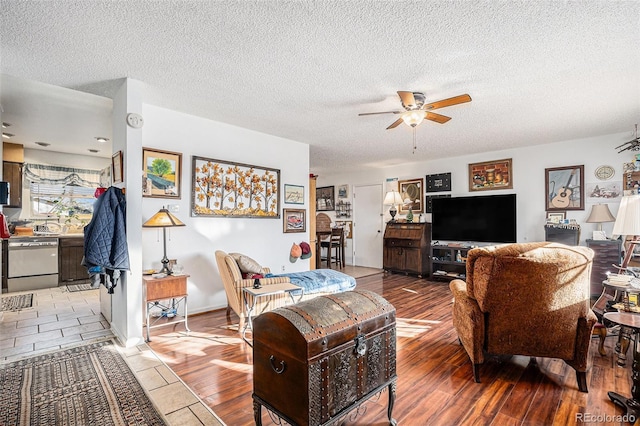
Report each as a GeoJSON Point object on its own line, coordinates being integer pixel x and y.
{"type": "Point", "coordinates": [85, 385]}
{"type": "Point", "coordinates": [15, 303]}
{"type": "Point", "coordinates": [79, 287]}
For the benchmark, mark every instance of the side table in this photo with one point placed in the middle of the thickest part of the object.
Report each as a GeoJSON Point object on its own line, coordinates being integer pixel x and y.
{"type": "Point", "coordinates": [254, 294]}
{"type": "Point", "coordinates": [170, 287]}
{"type": "Point", "coordinates": [631, 322]}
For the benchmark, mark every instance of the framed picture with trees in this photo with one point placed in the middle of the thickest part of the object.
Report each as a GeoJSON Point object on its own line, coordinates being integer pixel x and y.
{"type": "Point", "coordinates": [162, 173]}
{"type": "Point", "coordinates": [228, 189]}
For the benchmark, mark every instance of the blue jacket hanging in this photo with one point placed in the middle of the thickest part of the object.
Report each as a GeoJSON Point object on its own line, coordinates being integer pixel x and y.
{"type": "Point", "coordinates": [105, 239]}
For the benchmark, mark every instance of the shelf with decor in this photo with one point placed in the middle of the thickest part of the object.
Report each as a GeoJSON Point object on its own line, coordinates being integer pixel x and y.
{"type": "Point", "coordinates": [343, 209]}
{"type": "Point", "coordinates": [449, 262]}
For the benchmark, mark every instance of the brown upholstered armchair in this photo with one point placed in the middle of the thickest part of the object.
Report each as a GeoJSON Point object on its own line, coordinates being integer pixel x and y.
{"type": "Point", "coordinates": [527, 299]}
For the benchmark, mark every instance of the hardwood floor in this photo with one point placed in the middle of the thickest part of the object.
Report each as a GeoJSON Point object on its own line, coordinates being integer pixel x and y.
{"type": "Point", "coordinates": [435, 383]}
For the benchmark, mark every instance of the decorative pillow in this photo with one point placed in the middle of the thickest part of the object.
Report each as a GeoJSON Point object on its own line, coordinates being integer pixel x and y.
{"type": "Point", "coordinates": [251, 276]}
{"type": "Point", "coordinates": [247, 264]}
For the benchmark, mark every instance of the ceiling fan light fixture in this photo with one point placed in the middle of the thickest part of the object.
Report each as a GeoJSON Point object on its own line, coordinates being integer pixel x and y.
{"type": "Point", "coordinates": [413, 118]}
{"type": "Point", "coordinates": [102, 139]}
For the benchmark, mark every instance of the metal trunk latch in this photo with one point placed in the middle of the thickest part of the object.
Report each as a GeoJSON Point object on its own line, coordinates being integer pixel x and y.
{"type": "Point", "coordinates": [361, 346]}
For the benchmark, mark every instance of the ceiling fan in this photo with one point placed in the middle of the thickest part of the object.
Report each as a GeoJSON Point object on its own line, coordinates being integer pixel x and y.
{"type": "Point", "coordinates": [415, 109]}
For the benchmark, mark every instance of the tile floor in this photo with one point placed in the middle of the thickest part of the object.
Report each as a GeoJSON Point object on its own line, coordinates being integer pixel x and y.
{"type": "Point", "coordinates": [60, 319]}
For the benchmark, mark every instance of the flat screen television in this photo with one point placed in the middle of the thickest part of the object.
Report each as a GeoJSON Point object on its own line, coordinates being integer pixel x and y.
{"type": "Point", "coordinates": [487, 219]}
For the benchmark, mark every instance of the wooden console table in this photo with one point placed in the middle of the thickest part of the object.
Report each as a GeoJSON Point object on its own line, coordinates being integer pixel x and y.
{"type": "Point", "coordinates": [171, 287]}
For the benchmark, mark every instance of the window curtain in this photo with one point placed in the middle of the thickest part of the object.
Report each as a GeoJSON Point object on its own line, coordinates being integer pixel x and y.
{"type": "Point", "coordinates": [59, 175]}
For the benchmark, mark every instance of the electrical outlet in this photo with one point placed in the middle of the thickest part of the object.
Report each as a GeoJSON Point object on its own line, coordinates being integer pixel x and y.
{"type": "Point", "coordinates": [173, 208]}
{"type": "Point", "coordinates": [282, 268]}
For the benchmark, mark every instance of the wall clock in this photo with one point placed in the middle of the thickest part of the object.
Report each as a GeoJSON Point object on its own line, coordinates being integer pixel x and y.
{"type": "Point", "coordinates": [605, 172]}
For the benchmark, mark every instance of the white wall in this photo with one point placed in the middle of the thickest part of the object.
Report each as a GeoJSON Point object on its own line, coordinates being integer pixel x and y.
{"type": "Point", "coordinates": [195, 244]}
{"type": "Point", "coordinates": [528, 177]}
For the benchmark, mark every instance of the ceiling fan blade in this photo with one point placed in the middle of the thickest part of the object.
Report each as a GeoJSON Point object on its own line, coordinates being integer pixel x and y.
{"type": "Point", "coordinates": [436, 117]}
{"type": "Point", "coordinates": [448, 102]}
{"type": "Point", "coordinates": [382, 112]}
{"type": "Point", "coordinates": [407, 98]}
{"type": "Point", "coordinates": [395, 124]}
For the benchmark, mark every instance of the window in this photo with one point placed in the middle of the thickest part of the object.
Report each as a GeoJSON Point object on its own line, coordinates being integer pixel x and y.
{"type": "Point", "coordinates": [61, 200]}
{"type": "Point", "coordinates": [64, 192]}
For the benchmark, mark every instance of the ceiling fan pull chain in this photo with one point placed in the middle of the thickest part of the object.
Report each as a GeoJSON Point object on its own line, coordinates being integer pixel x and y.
{"type": "Point", "coordinates": [414, 140]}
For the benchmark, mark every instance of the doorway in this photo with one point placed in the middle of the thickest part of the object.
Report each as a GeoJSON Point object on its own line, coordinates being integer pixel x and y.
{"type": "Point", "coordinates": [367, 226]}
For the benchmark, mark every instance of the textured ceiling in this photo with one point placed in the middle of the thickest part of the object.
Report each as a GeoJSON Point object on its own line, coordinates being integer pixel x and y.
{"type": "Point", "coordinates": [538, 71]}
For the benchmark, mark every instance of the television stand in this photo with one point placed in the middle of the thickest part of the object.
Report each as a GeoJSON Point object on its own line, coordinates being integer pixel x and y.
{"type": "Point", "coordinates": [448, 261]}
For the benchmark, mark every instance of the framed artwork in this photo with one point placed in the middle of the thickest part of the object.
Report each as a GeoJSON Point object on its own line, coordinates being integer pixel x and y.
{"type": "Point", "coordinates": [227, 189]}
{"type": "Point", "coordinates": [117, 167]}
{"type": "Point", "coordinates": [412, 192]}
{"type": "Point", "coordinates": [556, 217]}
{"type": "Point", "coordinates": [430, 200]}
{"type": "Point", "coordinates": [162, 173]}
{"type": "Point", "coordinates": [564, 188]}
{"type": "Point", "coordinates": [490, 175]}
{"type": "Point", "coordinates": [347, 225]}
{"type": "Point", "coordinates": [325, 199]}
{"type": "Point", "coordinates": [439, 182]}
{"type": "Point", "coordinates": [293, 220]}
{"type": "Point", "coordinates": [293, 194]}
{"type": "Point", "coordinates": [604, 191]}
{"type": "Point", "coordinates": [343, 191]}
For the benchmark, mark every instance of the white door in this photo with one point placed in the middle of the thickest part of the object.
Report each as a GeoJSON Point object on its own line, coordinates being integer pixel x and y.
{"type": "Point", "coordinates": [367, 225]}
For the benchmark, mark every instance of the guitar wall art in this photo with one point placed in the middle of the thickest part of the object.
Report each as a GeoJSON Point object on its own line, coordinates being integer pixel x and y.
{"type": "Point", "coordinates": [564, 188]}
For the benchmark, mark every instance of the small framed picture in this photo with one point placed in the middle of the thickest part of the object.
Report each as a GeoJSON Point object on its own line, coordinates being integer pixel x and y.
{"type": "Point", "coordinates": [343, 191]}
{"type": "Point", "coordinates": [325, 198]}
{"type": "Point", "coordinates": [294, 220]}
{"type": "Point", "coordinates": [293, 194]}
{"type": "Point", "coordinates": [162, 171]}
{"type": "Point", "coordinates": [556, 217]}
{"type": "Point", "coordinates": [117, 168]}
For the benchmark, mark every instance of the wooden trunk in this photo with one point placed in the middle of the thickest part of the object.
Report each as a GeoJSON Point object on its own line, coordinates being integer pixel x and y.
{"type": "Point", "coordinates": [317, 360]}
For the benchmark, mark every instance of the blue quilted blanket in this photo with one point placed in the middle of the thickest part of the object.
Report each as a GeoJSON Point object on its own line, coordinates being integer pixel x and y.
{"type": "Point", "coordinates": [320, 281]}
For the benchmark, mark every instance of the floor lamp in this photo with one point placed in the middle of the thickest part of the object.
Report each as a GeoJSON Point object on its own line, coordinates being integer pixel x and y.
{"type": "Point", "coordinates": [628, 224]}
{"type": "Point", "coordinates": [163, 219]}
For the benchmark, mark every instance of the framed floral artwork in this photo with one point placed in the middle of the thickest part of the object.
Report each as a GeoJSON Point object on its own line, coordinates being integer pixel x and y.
{"type": "Point", "coordinates": [228, 189]}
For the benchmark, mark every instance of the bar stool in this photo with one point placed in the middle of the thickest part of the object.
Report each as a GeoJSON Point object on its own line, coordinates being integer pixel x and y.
{"type": "Point", "coordinates": [335, 247]}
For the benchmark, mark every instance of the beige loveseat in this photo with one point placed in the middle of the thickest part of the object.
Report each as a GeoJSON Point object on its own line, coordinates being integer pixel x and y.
{"type": "Point", "coordinates": [234, 283]}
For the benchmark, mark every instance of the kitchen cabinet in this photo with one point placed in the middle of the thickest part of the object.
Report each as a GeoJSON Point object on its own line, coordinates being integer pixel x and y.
{"type": "Point", "coordinates": [71, 251]}
{"type": "Point", "coordinates": [406, 248]}
{"type": "Point", "coordinates": [12, 173]}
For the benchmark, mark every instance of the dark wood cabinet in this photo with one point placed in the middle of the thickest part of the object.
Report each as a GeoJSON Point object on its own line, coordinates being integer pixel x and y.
{"type": "Point", "coordinates": [606, 254]}
{"type": "Point", "coordinates": [12, 173]}
{"type": "Point", "coordinates": [406, 248]}
{"type": "Point", "coordinates": [70, 269]}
